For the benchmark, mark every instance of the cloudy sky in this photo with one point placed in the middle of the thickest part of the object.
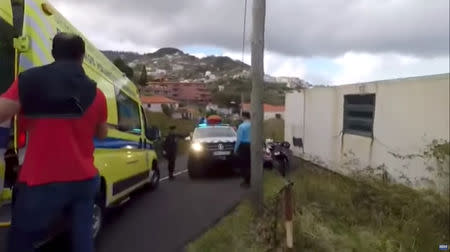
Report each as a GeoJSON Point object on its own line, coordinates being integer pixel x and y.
{"type": "Point", "coordinates": [324, 42]}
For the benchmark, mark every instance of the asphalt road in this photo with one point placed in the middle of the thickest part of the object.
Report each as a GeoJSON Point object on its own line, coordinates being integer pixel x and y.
{"type": "Point", "coordinates": [169, 217]}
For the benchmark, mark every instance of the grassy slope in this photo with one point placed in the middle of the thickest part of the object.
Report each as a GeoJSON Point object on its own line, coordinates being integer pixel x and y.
{"type": "Point", "coordinates": [163, 122]}
{"type": "Point", "coordinates": [335, 213]}
{"type": "Point", "coordinates": [233, 233]}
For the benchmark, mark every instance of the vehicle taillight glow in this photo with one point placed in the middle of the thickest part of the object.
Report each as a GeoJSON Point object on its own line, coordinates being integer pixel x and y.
{"type": "Point", "coordinates": [21, 139]}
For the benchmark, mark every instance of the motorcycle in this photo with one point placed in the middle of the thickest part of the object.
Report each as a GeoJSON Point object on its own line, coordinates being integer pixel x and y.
{"type": "Point", "coordinates": [277, 155]}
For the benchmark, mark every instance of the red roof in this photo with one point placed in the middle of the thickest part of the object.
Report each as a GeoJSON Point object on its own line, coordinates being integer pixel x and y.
{"type": "Point", "coordinates": [157, 100]}
{"type": "Point", "coordinates": [267, 108]}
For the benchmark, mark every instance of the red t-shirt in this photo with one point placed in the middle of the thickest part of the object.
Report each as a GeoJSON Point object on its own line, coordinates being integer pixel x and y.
{"type": "Point", "coordinates": [60, 150]}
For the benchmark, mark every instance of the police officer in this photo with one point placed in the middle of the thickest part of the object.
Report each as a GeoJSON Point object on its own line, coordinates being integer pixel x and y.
{"type": "Point", "coordinates": [170, 148]}
{"type": "Point", "coordinates": [242, 148]}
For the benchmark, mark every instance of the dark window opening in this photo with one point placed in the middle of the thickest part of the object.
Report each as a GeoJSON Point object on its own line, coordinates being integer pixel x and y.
{"type": "Point", "coordinates": [359, 113]}
{"type": "Point", "coordinates": [128, 114]}
{"type": "Point", "coordinates": [6, 55]}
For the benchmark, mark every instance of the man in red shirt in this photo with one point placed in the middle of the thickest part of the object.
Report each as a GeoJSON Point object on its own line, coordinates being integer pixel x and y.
{"type": "Point", "coordinates": [62, 111]}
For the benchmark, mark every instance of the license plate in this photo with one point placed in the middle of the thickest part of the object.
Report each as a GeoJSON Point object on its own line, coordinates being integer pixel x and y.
{"type": "Point", "coordinates": [221, 153]}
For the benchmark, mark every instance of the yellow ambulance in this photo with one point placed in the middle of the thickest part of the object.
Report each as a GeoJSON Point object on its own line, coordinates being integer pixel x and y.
{"type": "Point", "coordinates": [126, 159]}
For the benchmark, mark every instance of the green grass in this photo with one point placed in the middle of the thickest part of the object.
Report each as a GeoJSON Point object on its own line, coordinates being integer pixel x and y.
{"type": "Point", "coordinates": [336, 213]}
{"type": "Point", "coordinates": [234, 232]}
{"type": "Point", "coordinates": [163, 122]}
{"type": "Point", "coordinates": [274, 129]}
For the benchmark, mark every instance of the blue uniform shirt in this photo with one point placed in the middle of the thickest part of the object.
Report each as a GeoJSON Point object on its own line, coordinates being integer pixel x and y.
{"type": "Point", "coordinates": [243, 134]}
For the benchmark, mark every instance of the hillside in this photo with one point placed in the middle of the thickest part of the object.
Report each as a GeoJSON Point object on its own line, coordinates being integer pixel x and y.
{"type": "Point", "coordinates": [174, 65]}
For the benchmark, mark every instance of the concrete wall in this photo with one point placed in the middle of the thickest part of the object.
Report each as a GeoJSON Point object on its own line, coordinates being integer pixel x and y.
{"type": "Point", "coordinates": [157, 107]}
{"type": "Point", "coordinates": [410, 115]}
{"type": "Point", "coordinates": [271, 115]}
{"type": "Point", "coordinates": [153, 107]}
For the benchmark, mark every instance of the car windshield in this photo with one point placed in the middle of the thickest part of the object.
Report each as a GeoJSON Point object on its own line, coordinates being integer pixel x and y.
{"type": "Point", "coordinates": [214, 132]}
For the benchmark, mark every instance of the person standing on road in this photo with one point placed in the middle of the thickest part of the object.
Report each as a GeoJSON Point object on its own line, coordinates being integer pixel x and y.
{"type": "Point", "coordinates": [62, 111]}
{"type": "Point", "coordinates": [242, 148]}
{"type": "Point", "coordinates": [170, 149]}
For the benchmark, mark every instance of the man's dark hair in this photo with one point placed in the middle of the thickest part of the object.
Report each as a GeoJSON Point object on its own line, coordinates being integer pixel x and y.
{"type": "Point", "coordinates": [68, 46]}
{"type": "Point", "coordinates": [246, 115]}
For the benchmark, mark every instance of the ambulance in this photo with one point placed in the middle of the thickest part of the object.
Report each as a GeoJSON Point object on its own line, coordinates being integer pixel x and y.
{"type": "Point", "coordinates": [126, 159]}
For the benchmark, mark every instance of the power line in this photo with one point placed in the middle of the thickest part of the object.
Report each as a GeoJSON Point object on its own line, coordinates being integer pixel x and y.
{"type": "Point", "coordinates": [243, 35]}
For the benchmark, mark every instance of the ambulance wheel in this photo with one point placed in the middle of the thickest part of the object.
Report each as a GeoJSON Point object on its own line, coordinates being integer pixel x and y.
{"type": "Point", "coordinates": [99, 211]}
{"type": "Point", "coordinates": [156, 176]}
{"type": "Point", "coordinates": [97, 220]}
{"type": "Point", "coordinates": [195, 170]}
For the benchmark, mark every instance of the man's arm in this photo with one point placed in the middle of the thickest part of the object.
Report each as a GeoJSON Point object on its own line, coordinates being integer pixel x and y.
{"type": "Point", "coordinates": [238, 140]}
{"type": "Point", "coordinates": [8, 108]}
{"type": "Point", "coordinates": [9, 102]}
{"type": "Point", "coordinates": [101, 131]}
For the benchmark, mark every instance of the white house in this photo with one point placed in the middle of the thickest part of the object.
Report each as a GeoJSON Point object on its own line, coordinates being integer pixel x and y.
{"type": "Point", "coordinates": [211, 107]}
{"type": "Point", "coordinates": [390, 128]}
{"type": "Point", "coordinates": [155, 103]}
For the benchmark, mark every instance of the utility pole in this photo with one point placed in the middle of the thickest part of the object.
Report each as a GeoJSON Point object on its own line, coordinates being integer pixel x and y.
{"type": "Point", "coordinates": [257, 68]}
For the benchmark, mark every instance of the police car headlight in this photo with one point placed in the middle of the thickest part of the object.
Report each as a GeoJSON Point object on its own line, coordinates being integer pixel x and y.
{"type": "Point", "coordinates": [197, 147]}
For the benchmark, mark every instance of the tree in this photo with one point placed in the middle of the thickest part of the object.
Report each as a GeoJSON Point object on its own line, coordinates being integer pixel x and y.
{"type": "Point", "coordinates": [128, 71]}
{"type": "Point", "coordinates": [143, 78]}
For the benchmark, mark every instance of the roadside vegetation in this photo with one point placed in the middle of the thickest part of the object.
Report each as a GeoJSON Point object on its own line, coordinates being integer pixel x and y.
{"type": "Point", "coordinates": [336, 213]}
{"type": "Point", "coordinates": [273, 93]}
{"type": "Point", "coordinates": [274, 129]}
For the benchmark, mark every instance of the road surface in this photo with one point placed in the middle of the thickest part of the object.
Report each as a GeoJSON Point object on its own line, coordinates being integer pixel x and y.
{"type": "Point", "coordinates": [168, 218]}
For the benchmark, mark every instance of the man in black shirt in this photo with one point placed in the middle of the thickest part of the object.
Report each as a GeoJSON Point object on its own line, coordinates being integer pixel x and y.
{"type": "Point", "coordinates": [170, 148]}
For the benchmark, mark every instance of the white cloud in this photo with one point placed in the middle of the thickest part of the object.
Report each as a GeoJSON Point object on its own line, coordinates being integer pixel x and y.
{"type": "Point", "coordinates": [275, 64]}
{"type": "Point", "coordinates": [361, 43]}
{"type": "Point", "coordinates": [363, 67]}
{"type": "Point", "coordinates": [199, 55]}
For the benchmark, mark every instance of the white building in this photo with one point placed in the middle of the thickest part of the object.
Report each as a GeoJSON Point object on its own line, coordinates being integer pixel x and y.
{"type": "Point", "coordinates": [155, 103]}
{"type": "Point", "coordinates": [211, 107]}
{"type": "Point", "coordinates": [383, 127]}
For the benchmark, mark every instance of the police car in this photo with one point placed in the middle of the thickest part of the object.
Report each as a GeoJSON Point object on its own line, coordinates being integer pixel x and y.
{"type": "Point", "coordinates": [212, 143]}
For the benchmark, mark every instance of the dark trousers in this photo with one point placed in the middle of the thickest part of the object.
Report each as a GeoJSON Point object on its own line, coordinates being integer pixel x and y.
{"type": "Point", "coordinates": [244, 161]}
{"type": "Point", "coordinates": [171, 164]}
{"type": "Point", "coordinates": [35, 208]}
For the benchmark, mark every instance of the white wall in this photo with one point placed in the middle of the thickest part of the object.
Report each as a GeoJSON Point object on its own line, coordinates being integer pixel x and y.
{"type": "Point", "coordinates": [157, 107]}
{"type": "Point", "coordinates": [293, 119]}
{"type": "Point", "coordinates": [271, 115]}
{"type": "Point", "coordinates": [409, 114]}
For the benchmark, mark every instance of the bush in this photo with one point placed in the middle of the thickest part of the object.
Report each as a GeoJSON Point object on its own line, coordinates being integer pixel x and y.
{"type": "Point", "coordinates": [274, 129]}
{"type": "Point", "coordinates": [337, 213]}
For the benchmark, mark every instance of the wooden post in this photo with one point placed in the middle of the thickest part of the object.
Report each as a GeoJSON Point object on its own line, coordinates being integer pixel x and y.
{"type": "Point", "coordinates": [288, 210]}
{"type": "Point", "coordinates": [257, 69]}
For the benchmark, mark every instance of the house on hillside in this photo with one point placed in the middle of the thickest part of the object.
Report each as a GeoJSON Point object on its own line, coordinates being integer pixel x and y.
{"type": "Point", "coordinates": [155, 103]}
{"type": "Point", "coordinates": [184, 92]}
{"type": "Point", "coordinates": [389, 128]}
{"type": "Point", "coordinates": [270, 111]}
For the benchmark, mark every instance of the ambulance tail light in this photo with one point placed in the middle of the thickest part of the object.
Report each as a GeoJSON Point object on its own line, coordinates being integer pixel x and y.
{"type": "Point", "coordinates": [21, 139]}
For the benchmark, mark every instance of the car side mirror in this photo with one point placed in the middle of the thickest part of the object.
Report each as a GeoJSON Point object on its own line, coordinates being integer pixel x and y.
{"type": "Point", "coordinates": [153, 133]}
